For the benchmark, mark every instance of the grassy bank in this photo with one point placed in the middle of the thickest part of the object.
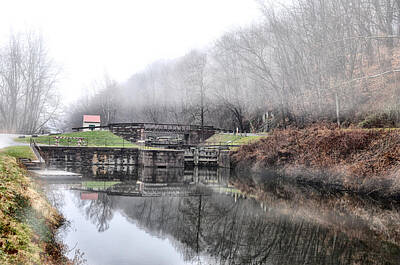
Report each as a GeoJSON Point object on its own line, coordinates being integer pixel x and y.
{"type": "Point", "coordinates": [232, 139]}
{"type": "Point", "coordinates": [362, 160]}
{"type": "Point", "coordinates": [27, 221]}
{"type": "Point", "coordinates": [18, 152]}
{"type": "Point", "coordinates": [92, 138]}
{"type": "Point", "coordinates": [106, 138]}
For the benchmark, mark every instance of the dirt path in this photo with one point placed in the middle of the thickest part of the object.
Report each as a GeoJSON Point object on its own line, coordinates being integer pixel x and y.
{"type": "Point", "coordinates": [7, 140]}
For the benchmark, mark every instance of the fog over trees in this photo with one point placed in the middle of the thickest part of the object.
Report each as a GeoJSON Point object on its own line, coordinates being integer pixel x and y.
{"type": "Point", "coordinates": [307, 61]}
{"type": "Point", "coordinates": [28, 97]}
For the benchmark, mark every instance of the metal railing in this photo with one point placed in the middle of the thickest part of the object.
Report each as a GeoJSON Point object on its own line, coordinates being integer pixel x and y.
{"type": "Point", "coordinates": [36, 149]}
{"type": "Point", "coordinates": [86, 142]}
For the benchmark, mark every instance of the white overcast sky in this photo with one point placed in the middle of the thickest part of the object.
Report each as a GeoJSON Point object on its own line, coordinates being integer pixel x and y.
{"type": "Point", "coordinates": [91, 37]}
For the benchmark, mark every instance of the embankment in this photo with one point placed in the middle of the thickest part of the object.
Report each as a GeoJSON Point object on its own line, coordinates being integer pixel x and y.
{"type": "Point", "coordinates": [27, 221]}
{"type": "Point", "coordinates": [356, 160]}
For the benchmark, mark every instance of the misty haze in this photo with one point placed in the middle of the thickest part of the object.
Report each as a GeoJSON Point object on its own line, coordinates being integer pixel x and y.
{"type": "Point", "coordinates": [200, 132]}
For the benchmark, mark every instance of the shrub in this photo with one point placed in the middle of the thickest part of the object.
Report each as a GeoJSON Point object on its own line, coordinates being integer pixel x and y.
{"type": "Point", "coordinates": [386, 119]}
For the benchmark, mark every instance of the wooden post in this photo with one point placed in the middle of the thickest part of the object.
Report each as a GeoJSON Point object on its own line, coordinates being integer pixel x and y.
{"type": "Point", "coordinates": [196, 156]}
{"type": "Point", "coordinates": [337, 109]}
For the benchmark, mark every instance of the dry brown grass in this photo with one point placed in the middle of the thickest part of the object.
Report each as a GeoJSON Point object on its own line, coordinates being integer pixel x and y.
{"type": "Point", "coordinates": [357, 153]}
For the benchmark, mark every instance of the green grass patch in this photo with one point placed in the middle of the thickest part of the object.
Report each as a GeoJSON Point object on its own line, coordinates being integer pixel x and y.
{"type": "Point", "coordinates": [18, 152]}
{"type": "Point", "coordinates": [91, 138]}
{"type": "Point", "coordinates": [99, 184]}
{"type": "Point", "coordinates": [230, 139]}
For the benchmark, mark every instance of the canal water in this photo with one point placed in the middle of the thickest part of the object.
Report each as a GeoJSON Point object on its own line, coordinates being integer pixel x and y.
{"type": "Point", "coordinates": [209, 216]}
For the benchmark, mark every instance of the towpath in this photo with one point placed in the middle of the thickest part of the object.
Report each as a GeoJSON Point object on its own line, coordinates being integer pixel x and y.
{"type": "Point", "coordinates": [8, 140]}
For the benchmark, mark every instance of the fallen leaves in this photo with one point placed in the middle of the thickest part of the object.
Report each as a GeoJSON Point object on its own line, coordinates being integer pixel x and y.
{"type": "Point", "coordinates": [364, 153]}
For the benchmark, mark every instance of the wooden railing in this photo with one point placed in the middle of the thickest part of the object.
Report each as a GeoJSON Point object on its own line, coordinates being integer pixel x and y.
{"type": "Point", "coordinates": [36, 149]}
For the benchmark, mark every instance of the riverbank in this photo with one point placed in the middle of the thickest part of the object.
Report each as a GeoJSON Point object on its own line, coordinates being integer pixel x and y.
{"type": "Point", "coordinates": [357, 160]}
{"type": "Point", "coordinates": [28, 222]}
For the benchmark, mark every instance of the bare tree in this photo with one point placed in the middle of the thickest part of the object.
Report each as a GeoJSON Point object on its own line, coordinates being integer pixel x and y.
{"type": "Point", "coordinates": [108, 98]}
{"type": "Point", "coordinates": [27, 84]}
{"type": "Point", "coordinates": [306, 61]}
{"type": "Point", "coordinates": [194, 77]}
{"type": "Point", "coordinates": [230, 82]}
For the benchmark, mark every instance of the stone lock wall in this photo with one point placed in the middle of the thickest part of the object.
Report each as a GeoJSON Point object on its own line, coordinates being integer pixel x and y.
{"type": "Point", "coordinates": [136, 132]}
{"type": "Point", "coordinates": [162, 158]}
{"type": "Point", "coordinates": [89, 156]}
{"type": "Point", "coordinates": [195, 136]}
{"type": "Point", "coordinates": [130, 133]}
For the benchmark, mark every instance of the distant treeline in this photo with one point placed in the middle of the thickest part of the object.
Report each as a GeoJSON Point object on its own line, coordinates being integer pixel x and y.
{"type": "Point", "coordinates": [331, 60]}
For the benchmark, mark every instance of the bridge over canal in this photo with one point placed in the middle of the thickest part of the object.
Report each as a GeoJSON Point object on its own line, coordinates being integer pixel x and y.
{"type": "Point", "coordinates": [160, 133]}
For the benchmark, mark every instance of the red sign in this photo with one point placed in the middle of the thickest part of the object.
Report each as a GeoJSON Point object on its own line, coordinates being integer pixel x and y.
{"type": "Point", "coordinates": [89, 196]}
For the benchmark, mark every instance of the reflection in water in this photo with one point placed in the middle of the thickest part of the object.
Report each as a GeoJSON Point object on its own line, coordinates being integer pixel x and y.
{"type": "Point", "coordinates": [197, 217]}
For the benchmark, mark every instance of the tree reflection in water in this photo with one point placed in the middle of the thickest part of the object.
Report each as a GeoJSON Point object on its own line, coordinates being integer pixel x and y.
{"type": "Point", "coordinates": [223, 230]}
{"type": "Point", "coordinates": [100, 212]}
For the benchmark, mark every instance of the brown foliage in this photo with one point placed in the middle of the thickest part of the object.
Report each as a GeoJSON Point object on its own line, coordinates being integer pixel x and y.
{"type": "Point", "coordinates": [354, 152]}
